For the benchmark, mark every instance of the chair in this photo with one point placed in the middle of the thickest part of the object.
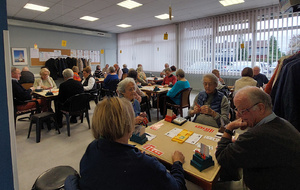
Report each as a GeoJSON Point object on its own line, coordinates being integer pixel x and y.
{"type": "Point", "coordinates": [54, 178]}
{"type": "Point", "coordinates": [145, 106]}
{"type": "Point", "coordinates": [32, 111]}
{"type": "Point", "coordinates": [111, 89]}
{"type": "Point", "coordinates": [95, 94]}
{"type": "Point", "coordinates": [184, 101]}
{"type": "Point", "coordinates": [76, 105]}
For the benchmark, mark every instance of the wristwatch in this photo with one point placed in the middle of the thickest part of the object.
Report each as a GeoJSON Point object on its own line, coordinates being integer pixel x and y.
{"type": "Point", "coordinates": [229, 132]}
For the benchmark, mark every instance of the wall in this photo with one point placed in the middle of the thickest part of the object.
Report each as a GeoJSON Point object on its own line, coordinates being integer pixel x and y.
{"type": "Point", "coordinates": [22, 37]}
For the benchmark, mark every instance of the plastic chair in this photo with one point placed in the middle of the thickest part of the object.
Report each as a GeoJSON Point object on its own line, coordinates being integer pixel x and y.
{"type": "Point", "coordinates": [76, 105]}
{"type": "Point", "coordinates": [18, 112]}
{"type": "Point", "coordinates": [111, 89]}
{"type": "Point", "coordinates": [54, 178]}
{"type": "Point", "coordinates": [95, 94]}
{"type": "Point", "coordinates": [184, 101]}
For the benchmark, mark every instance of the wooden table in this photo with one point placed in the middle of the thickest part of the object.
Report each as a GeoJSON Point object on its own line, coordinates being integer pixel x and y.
{"type": "Point", "coordinates": [163, 143]}
{"type": "Point", "coordinates": [150, 79]}
{"type": "Point", "coordinates": [100, 80]}
{"type": "Point", "coordinates": [48, 98]}
{"type": "Point", "coordinates": [43, 94]}
{"type": "Point", "coordinates": [149, 90]}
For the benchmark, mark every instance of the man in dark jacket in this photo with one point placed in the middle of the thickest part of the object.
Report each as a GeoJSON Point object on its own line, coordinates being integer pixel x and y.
{"type": "Point", "coordinates": [269, 152]}
{"type": "Point", "coordinates": [68, 88]}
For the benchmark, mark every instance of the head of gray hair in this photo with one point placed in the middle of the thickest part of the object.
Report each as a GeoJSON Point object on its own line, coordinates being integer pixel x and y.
{"type": "Point", "coordinates": [123, 84]}
{"type": "Point", "coordinates": [111, 69]}
{"type": "Point", "coordinates": [124, 66]}
{"type": "Point", "coordinates": [212, 77]}
{"type": "Point", "coordinates": [180, 73]}
{"type": "Point", "coordinates": [139, 69]}
{"type": "Point", "coordinates": [256, 95]}
{"type": "Point", "coordinates": [68, 73]}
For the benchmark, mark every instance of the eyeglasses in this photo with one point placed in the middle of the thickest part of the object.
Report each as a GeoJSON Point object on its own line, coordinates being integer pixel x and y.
{"type": "Point", "coordinates": [244, 110]}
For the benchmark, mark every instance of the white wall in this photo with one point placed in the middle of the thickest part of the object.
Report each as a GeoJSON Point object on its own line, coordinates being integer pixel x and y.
{"type": "Point", "coordinates": [22, 37]}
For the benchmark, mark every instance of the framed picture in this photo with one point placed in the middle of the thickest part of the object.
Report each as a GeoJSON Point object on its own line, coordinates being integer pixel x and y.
{"type": "Point", "coordinates": [19, 56]}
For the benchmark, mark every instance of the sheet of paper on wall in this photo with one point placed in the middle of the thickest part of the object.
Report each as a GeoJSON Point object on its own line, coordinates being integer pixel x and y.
{"type": "Point", "coordinates": [34, 53]}
{"type": "Point", "coordinates": [194, 138]}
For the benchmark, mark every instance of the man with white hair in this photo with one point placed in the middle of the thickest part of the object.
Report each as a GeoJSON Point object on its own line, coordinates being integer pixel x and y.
{"type": "Point", "coordinates": [68, 88]}
{"type": "Point", "coordinates": [260, 78]}
{"type": "Point", "coordinates": [269, 152]}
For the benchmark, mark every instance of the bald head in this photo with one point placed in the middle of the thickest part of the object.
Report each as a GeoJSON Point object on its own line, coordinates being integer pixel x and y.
{"type": "Point", "coordinates": [25, 69]}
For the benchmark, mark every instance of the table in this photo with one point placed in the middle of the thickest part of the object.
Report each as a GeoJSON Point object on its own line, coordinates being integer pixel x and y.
{"type": "Point", "coordinates": [48, 98]}
{"type": "Point", "coordinates": [149, 90]}
{"type": "Point", "coordinates": [150, 79]}
{"type": "Point", "coordinates": [163, 143]}
{"type": "Point", "coordinates": [100, 80]}
{"type": "Point", "coordinates": [42, 94]}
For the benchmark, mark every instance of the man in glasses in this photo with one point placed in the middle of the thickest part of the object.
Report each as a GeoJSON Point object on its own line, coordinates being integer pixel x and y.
{"type": "Point", "coordinates": [269, 152]}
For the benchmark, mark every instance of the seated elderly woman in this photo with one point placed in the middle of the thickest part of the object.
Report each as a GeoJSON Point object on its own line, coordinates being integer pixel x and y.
{"type": "Point", "coordinates": [246, 80]}
{"type": "Point", "coordinates": [45, 82]}
{"type": "Point", "coordinates": [181, 84]}
{"type": "Point", "coordinates": [169, 78]}
{"type": "Point", "coordinates": [76, 75]}
{"type": "Point", "coordinates": [210, 106]}
{"type": "Point", "coordinates": [111, 163]}
{"type": "Point", "coordinates": [141, 76]}
{"type": "Point", "coordinates": [88, 81]}
{"type": "Point", "coordinates": [132, 73]}
{"type": "Point", "coordinates": [127, 89]}
{"type": "Point", "coordinates": [111, 76]}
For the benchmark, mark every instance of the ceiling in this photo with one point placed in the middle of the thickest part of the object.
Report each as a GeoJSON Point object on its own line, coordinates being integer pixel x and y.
{"type": "Point", "coordinates": [68, 12]}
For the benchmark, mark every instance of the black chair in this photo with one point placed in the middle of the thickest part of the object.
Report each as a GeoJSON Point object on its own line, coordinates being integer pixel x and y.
{"type": "Point", "coordinates": [76, 105]}
{"type": "Point", "coordinates": [184, 101]}
{"type": "Point", "coordinates": [54, 178]}
{"type": "Point", "coordinates": [145, 106]}
{"type": "Point", "coordinates": [95, 94]}
{"type": "Point", "coordinates": [18, 112]}
{"type": "Point", "coordinates": [111, 88]}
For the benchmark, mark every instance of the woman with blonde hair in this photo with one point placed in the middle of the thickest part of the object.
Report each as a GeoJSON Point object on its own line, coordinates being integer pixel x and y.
{"type": "Point", "coordinates": [111, 163]}
{"type": "Point", "coordinates": [141, 76]}
{"type": "Point", "coordinates": [45, 82]}
{"type": "Point", "coordinates": [76, 75]}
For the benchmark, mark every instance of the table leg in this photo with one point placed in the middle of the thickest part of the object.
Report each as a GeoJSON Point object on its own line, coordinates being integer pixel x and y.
{"type": "Point", "coordinates": [157, 106]}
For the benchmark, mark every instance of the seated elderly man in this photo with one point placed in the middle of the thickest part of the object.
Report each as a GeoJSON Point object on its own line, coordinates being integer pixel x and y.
{"type": "Point", "coordinates": [20, 94]}
{"type": "Point", "coordinates": [269, 152]}
{"type": "Point", "coordinates": [259, 77]}
{"type": "Point", "coordinates": [67, 89]}
{"type": "Point", "coordinates": [111, 163]}
{"type": "Point", "coordinates": [118, 70]}
{"type": "Point", "coordinates": [210, 106]}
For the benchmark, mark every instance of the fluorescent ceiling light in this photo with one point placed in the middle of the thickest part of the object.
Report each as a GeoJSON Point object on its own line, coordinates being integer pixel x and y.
{"type": "Point", "coordinates": [129, 4]}
{"type": "Point", "coordinates": [231, 2]}
{"type": "Point", "coordinates": [89, 18]}
{"type": "Point", "coordinates": [124, 25]}
{"type": "Point", "coordinates": [36, 7]}
{"type": "Point", "coordinates": [163, 16]}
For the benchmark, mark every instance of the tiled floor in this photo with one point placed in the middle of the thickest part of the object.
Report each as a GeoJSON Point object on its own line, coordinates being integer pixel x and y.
{"type": "Point", "coordinates": [56, 149]}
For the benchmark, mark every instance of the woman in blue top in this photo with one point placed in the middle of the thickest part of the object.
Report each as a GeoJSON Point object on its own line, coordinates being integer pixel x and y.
{"type": "Point", "coordinates": [181, 84]}
{"type": "Point", "coordinates": [111, 76]}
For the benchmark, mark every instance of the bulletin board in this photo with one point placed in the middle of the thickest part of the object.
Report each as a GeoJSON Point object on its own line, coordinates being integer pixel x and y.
{"type": "Point", "coordinates": [95, 56]}
{"type": "Point", "coordinates": [37, 62]}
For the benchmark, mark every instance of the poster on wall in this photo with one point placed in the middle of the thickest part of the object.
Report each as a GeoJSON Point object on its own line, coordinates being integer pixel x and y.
{"type": "Point", "coordinates": [19, 56]}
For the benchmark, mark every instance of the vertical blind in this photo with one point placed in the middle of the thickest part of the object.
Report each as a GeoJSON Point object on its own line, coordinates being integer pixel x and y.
{"type": "Point", "coordinates": [229, 42]}
{"type": "Point", "coordinates": [148, 47]}
{"type": "Point", "coordinates": [243, 39]}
